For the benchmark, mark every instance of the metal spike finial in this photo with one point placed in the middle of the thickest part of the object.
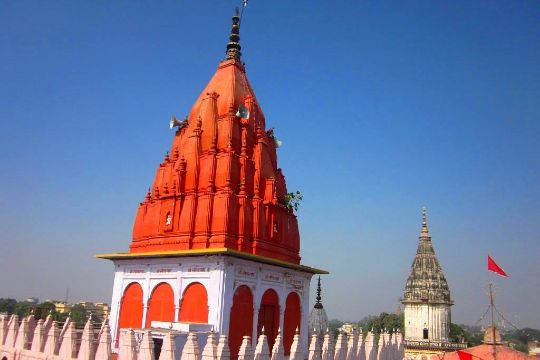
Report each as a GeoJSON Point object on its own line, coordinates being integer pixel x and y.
{"type": "Point", "coordinates": [425, 230]}
{"type": "Point", "coordinates": [233, 46]}
{"type": "Point", "coordinates": [318, 304]}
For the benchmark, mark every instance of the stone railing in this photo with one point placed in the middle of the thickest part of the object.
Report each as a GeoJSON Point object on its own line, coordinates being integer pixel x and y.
{"type": "Point", "coordinates": [45, 340]}
{"type": "Point", "coordinates": [435, 345]}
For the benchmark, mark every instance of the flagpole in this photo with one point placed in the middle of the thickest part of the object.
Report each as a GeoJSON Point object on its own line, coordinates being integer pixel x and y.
{"type": "Point", "coordinates": [492, 306]}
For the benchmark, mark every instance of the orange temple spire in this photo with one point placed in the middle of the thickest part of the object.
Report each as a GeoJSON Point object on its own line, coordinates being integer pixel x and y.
{"type": "Point", "coordinates": [220, 187]}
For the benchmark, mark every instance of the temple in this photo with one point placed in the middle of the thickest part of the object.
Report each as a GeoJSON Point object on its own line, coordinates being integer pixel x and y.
{"type": "Point", "coordinates": [220, 185]}
{"type": "Point", "coordinates": [427, 303]}
{"type": "Point", "coordinates": [216, 245]}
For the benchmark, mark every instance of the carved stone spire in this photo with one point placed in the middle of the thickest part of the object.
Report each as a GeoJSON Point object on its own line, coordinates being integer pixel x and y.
{"type": "Point", "coordinates": [426, 282]}
{"type": "Point", "coordinates": [233, 46]}
{"type": "Point", "coordinates": [318, 320]}
{"type": "Point", "coordinates": [318, 304]}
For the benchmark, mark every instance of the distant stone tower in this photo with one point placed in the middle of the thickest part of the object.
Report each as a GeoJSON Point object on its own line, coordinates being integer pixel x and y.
{"type": "Point", "coordinates": [427, 302]}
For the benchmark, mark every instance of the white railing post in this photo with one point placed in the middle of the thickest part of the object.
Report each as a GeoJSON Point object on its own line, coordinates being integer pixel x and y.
{"type": "Point", "coordinates": [246, 351]}
{"type": "Point", "coordinates": [103, 351]}
{"type": "Point", "coordinates": [223, 352]}
{"type": "Point", "coordinates": [168, 349]}
{"type": "Point", "coordinates": [210, 349]}
{"type": "Point", "coordinates": [278, 352]}
{"type": "Point", "coordinates": [86, 350]}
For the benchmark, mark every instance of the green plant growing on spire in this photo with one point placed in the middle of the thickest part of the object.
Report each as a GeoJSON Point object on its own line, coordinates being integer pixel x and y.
{"type": "Point", "coordinates": [292, 200]}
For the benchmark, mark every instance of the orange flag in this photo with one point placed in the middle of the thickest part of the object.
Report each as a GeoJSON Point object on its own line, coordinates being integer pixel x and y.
{"type": "Point", "coordinates": [492, 266]}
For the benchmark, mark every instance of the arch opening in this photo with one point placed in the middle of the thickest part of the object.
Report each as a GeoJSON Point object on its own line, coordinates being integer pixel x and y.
{"type": "Point", "coordinates": [194, 304]}
{"type": "Point", "coordinates": [241, 319]}
{"type": "Point", "coordinates": [161, 304]}
{"type": "Point", "coordinates": [131, 309]}
{"type": "Point", "coordinates": [269, 316]}
{"type": "Point", "coordinates": [291, 321]}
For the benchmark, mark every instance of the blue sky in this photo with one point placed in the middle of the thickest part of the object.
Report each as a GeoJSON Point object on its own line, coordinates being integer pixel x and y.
{"type": "Point", "coordinates": [383, 107]}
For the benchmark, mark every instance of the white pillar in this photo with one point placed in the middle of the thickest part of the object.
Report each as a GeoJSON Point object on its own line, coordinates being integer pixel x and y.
{"type": "Point", "coordinates": [255, 321]}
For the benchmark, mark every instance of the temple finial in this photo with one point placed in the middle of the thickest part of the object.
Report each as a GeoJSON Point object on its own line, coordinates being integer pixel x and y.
{"type": "Point", "coordinates": [318, 304]}
{"type": "Point", "coordinates": [233, 46]}
{"type": "Point", "coordinates": [425, 230]}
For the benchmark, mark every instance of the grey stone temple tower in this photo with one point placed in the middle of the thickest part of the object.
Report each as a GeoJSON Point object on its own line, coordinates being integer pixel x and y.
{"type": "Point", "coordinates": [427, 301]}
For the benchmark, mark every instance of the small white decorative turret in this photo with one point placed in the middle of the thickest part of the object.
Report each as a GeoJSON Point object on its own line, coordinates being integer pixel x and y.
{"type": "Point", "coordinates": [3, 328]}
{"type": "Point", "coordinates": [47, 324]}
{"type": "Point", "coordinates": [246, 351]}
{"type": "Point", "coordinates": [13, 326]}
{"type": "Point", "coordinates": [86, 350]}
{"type": "Point", "coordinates": [262, 351]}
{"type": "Point", "coordinates": [68, 347]}
{"type": "Point", "coordinates": [168, 349]}
{"type": "Point", "coordinates": [341, 347]}
{"type": "Point", "coordinates": [128, 346]}
{"type": "Point", "coordinates": [381, 347]}
{"type": "Point", "coordinates": [37, 341]}
{"type": "Point", "coordinates": [278, 352]}
{"type": "Point", "coordinates": [296, 347]}
{"type": "Point", "coordinates": [328, 347]}
{"type": "Point", "coordinates": [223, 351]}
{"type": "Point", "coordinates": [314, 352]}
{"type": "Point", "coordinates": [191, 348]}
{"type": "Point", "coordinates": [103, 351]}
{"type": "Point", "coordinates": [210, 349]}
{"type": "Point", "coordinates": [351, 345]}
{"type": "Point", "coordinates": [146, 351]}
{"type": "Point", "coordinates": [361, 346]}
{"type": "Point", "coordinates": [52, 339]}
{"type": "Point", "coordinates": [31, 328]}
{"type": "Point", "coordinates": [22, 334]}
{"type": "Point", "coordinates": [371, 346]}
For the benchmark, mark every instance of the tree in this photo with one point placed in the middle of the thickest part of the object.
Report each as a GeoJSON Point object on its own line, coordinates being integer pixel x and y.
{"type": "Point", "coordinates": [381, 322]}
{"type": "Point", "coordinates": [79, 315]}
{"type": "Point", "coordinates": [7, 306]}
{"type": "Point", "coordinates": [23, 308]}
{"type": "Point", "coordinates": [458, 334]}
{"type": "Point", "coordinates": [334, 325]}
{"type": "Point", "coordinates": [44, 309]}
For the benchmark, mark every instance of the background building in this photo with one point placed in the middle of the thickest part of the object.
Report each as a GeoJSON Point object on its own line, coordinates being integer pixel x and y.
{"type": "Point", "coordinates": [427, 302]}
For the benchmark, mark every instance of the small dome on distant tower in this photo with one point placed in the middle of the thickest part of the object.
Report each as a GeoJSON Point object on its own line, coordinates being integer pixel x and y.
{"type": "Point", "coordinates": [318, 320]}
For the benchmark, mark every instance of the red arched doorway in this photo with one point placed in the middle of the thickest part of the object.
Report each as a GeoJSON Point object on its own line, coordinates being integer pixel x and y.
{"type": "Point", "coordinates": [194, 304]}
{"type": "Point", "coordinates": [241, 320]}
{"type": "Point", "coordinates": [161, 304]}
{"type": "Point", "coordinates": [269, 316]}
{"type": "Point", "coordinates": [131, 309]}
{"type": "Point", "coordinates": [291, 321]}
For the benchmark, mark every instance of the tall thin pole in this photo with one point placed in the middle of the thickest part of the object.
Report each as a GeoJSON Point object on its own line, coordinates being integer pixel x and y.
{"type": "Point", "coordinates": [492, 306]}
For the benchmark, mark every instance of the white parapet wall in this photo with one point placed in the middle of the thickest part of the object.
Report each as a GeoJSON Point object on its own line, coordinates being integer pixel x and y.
{"type": "Point", "coordinates": [28, 339]}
